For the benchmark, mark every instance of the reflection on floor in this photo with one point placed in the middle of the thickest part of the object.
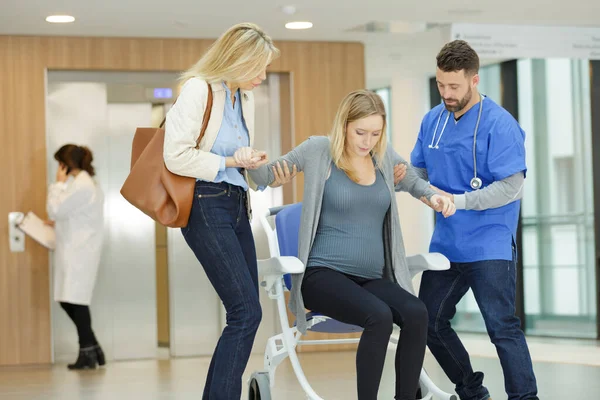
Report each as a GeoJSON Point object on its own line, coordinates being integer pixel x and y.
{"type": "Point", "coordinates": [331, 374]}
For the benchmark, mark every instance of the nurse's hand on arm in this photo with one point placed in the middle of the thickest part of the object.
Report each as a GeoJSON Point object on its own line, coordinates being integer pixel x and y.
{"type": "Point", "coordinates": [399, 172]}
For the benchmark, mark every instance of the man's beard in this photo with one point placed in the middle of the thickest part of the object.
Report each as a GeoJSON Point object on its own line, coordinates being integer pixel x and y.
{"type": "Point", "coordinates": [460, 104]}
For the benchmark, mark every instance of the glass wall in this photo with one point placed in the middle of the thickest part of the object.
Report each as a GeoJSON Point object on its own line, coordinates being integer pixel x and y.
{"type": "Point", "coordinates": [557, 209]}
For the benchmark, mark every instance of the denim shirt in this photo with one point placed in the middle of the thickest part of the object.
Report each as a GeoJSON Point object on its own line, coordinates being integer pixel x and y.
{"type": "Point", "coordinates": [232, 135]}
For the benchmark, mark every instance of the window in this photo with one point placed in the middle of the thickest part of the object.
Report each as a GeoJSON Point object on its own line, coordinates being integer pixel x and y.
{"type": "Point", "coordinates": [386, 96]}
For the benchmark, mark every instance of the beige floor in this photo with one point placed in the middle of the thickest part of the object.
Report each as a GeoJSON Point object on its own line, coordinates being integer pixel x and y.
{"type": "Point", "coordinates": [331, 374]}
{"type": "Point", "coordinates": [550, 350]}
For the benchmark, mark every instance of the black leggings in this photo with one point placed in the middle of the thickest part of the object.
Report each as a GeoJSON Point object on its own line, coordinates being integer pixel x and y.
{"type": "Point", "coordinates": [80, 315]}
{"type": "Point", "coordinates": [374, 305]}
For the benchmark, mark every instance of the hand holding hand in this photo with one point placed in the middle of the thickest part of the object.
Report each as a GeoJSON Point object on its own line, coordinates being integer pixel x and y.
{"type": "Point", "coordinates": [258, 159]}
{"type": "Point", "coordinates": [244, 156]}
{"type": "Point", "coordinates": [442, 204]}
{"type": "Point", "coordinates": [399, 172]}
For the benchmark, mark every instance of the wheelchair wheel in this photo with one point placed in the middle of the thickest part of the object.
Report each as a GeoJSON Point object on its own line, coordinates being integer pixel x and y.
{"type": "Point", "coordinates": [259, 387]}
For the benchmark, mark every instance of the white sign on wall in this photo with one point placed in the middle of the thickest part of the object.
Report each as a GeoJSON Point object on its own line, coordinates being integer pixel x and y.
{"type": "Point", "coordinates": [520, 41]}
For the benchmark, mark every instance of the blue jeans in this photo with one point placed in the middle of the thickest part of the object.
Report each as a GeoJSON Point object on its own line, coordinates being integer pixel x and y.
{"type": "Point", "coordinates": [494, 285]}
{"type": "Point", "coordinates": [220, 236]}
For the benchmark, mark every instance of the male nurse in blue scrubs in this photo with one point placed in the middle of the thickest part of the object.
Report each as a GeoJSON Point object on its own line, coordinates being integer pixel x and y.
{"type": "Point", "coordinates": [479, 240]}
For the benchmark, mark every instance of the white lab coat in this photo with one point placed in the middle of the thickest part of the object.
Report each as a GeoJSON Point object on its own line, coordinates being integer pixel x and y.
{"type": "Point", "coordinates": [77, 207]}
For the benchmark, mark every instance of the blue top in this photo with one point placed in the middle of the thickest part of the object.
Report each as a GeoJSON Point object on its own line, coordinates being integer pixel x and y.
{"type": "Point", "coordinates": [232, 135]}
{"type": "Point", "coordinates": [470, 235]}
{"type": "Point", "coordinates": [349, 236]}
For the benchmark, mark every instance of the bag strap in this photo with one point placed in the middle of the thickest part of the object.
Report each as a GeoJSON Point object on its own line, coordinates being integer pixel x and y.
{"type": "Point", "coordinates": [205, 118]}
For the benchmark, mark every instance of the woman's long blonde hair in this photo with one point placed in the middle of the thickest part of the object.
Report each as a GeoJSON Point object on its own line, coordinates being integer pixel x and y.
{"type": "Point", "coordinates": [241, 54]}
{"type": "Point", "coordinates": [356, 105]}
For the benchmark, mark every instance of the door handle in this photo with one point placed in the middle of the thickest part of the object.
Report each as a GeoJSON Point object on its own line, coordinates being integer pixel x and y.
{"type": "Point", "coordinates": [16, 237]}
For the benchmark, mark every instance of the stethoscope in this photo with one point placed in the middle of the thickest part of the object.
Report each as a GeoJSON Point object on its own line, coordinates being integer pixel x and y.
{"type": "Point", "coordinates": [475, 181]}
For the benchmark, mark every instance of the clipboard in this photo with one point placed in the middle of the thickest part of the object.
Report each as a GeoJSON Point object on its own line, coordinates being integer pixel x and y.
{"type": "Point", "coordinates": [35, 228]}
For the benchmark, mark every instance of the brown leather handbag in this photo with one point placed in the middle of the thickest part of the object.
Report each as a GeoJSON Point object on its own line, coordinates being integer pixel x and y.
{"type": "Point", "coordinates": [151, 187]}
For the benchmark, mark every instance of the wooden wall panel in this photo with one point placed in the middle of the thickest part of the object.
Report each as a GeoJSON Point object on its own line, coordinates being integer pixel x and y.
{"type": "Point", "coordinates": [321, 72]}
{"type": "Point", "coordinates": [24, 278]}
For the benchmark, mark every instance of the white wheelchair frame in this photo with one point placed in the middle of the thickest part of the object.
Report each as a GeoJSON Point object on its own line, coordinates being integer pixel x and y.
{"type": "Point", "coordinates": [283, 345]}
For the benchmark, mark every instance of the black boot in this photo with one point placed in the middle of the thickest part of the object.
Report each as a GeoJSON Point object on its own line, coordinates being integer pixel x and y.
{"type": "Point", "coordinates": [100, 355]}
{"type": "Point", "coordinates": [87, 359]}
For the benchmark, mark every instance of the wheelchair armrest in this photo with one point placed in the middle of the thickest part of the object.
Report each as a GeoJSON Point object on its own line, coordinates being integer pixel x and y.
{"type": "Point", "coordinates": [280, 266]}
{"type": "Point", "coordinates": [271, 271]}
{"type": "Point", "coordinates": [427, 262]}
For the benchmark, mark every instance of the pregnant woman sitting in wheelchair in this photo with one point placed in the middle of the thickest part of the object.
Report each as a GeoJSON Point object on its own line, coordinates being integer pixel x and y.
{"type": "Point", "coordinates": [351, 242]}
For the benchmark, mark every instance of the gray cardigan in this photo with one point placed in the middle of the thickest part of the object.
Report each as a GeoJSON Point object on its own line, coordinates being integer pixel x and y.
{"type": "Point", "coordinates": [313, 157]}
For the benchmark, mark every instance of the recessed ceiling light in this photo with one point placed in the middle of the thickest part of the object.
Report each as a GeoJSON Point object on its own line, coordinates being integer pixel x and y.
{"type": "Point", "coordinates": [299, 25]}
{"type": "Point", "coordinates": [60, 19]}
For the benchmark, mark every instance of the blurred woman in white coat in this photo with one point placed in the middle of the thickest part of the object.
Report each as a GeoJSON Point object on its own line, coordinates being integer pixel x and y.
{"type": "Point", "coordinates": [76, 208]}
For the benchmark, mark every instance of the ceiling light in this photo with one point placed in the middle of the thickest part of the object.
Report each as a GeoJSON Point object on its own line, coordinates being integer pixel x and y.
{"type": "Point", "coordinates": [299, 25]}
{"type": "Point", "coordinates": [60, 19]}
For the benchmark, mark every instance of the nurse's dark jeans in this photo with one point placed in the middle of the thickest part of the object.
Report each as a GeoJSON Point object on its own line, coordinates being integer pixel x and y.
{"type": "Point", "coordinates": [494, 286]}
{"type": "Point", "coordinates": [219, 234]}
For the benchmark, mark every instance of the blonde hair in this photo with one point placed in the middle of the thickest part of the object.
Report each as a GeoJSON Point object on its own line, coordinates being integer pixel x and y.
{"type": "Point", "coordinates": [241, 54]}
{"type": "Point", "coordinates": [356, 105]}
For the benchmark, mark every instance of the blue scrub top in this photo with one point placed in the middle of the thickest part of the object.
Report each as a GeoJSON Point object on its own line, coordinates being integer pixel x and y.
{"type": "Point", "coordinates": [470, 235]}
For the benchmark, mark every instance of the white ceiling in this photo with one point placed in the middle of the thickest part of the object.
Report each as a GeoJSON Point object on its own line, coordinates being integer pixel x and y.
{"type": "Point", "coordinates": [331, 18]}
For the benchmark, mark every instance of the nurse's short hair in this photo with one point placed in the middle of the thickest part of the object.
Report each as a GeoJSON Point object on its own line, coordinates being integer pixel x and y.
{"type": "Point", "coordinates": [456, 56]}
